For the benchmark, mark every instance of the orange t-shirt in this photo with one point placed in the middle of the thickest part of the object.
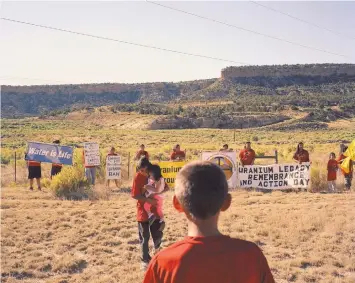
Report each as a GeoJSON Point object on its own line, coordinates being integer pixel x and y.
{"type": "Point", "coordinates": [340, 158]}
{"type": "Point", "coordinates": [217, 259]}
{"type": "Point", "coordinates": [34, 163]}
{"type": "Point", "coordinates": [302, 156]}
{"type": "Point", "coordinates": [247, 156]}
{"type": "Point", "coordinates": [137, 190]}
{"type": "Point", "coordinates": [177, 154]}
{"type": "Point", "coordinates": [332, 170]}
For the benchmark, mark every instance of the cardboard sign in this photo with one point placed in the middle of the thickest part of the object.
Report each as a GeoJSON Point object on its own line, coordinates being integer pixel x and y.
{"type": "Point", "coordinates": [113, 167]}
{"type": "Point", "coordinates": [91, 154]}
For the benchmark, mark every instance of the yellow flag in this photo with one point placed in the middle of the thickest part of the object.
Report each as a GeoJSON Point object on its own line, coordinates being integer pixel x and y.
{"type": "Point", "coordinates": [350, 155]}
{"type": "Point", "coordinates": [350, 152]}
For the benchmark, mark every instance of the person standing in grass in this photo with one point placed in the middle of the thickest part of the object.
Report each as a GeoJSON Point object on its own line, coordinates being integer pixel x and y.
{"type": "Point", "coordinates": [154, 189]}
{"type": "Point", "coordinates": [141, 153]}
{"type": "Point", "coordinates": [34, 172]}
{"type": "Point", "coordinates": [225, 148]}
{"type": "Point", "coordinates": [177, 154]}
{"type": "Point", "coordinates": [347, 176]}
{"type": "Point", "coordinates": [112, 152]}
{"type": "Point", "coordinates": [332, 172]}
{"type": "Point", "coordinates": [90, 171]}
{"type": "Point", "coordinates": [56, 167]}
{"type": "Point", "coordinates": [301, 155]}
{"type": "Point", "coordinates": [144, 229]}
{"type": "Point", "coordinates": [206, 255]}
{"type": "Point", "coordinates": [247, 155]}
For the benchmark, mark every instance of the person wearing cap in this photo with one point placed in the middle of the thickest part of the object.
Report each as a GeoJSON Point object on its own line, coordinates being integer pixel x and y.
{"type": "Point", "coordinates": [177, 154]}
{"type": "Point", "coordinates": [247, 155]}
{"type": "Point", "coordinates": [56, 167]}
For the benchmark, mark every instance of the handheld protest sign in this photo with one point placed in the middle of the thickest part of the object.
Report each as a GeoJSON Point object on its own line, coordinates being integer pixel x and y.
{"type": "Point", "coordinates": [50, 153]}
{"type": "Point", "coordinates": [113, 167]}
{"type": "Point", "coordinates": [91, 154]}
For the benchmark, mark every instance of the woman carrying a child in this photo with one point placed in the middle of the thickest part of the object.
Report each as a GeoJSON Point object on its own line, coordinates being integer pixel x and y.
{"type": "Point", "coordinates": [147, 192]}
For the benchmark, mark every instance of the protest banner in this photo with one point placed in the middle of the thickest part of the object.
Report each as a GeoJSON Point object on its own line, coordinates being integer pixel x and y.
{"type": "Point", "coordinates": [276, 176]}
{"type": "Point", "coordinates": [113, 167]}
{"type": "Point", "coordinates": [51, 153]}
{"type": "Point", "coordinates": [91, 154]}
{"type": "Point", "coordinates": [228, 163]}
{"type": "Point", "coordinates": [169, 170]}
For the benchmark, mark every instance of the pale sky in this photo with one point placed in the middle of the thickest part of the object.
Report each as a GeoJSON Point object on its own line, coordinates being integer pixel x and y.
{"type": "Point", "coordinates": [32, 55]}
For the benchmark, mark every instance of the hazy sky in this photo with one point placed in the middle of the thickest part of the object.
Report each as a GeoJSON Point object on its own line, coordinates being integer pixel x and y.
{"type": "Point", "coordinates": [32, 55]}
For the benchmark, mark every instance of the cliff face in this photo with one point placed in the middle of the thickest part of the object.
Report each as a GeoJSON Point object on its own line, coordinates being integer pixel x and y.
{"type": "Point", "coordinates": [231, 122]}
{"type": "Point", "coordinates": [308, 70]}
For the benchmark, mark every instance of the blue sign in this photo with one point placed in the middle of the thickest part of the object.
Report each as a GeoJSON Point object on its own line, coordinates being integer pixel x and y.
{"type": "Point", "coordinates": [51, 153]}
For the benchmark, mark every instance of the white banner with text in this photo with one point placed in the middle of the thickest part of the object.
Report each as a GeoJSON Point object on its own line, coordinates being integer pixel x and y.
{"type": "Point", "coordinates": [276, 176]}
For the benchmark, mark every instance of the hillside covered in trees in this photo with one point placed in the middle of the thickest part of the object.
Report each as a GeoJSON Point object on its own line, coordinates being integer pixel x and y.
{"type": "Point", "coordinates": [260, 89]}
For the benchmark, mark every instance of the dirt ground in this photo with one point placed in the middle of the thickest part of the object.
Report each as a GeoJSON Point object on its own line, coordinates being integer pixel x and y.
{"type": "Point", "coordinates": [306, 237]}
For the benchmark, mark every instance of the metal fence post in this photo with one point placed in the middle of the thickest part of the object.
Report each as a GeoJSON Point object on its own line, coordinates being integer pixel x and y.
{"type": "Point", "coordinates": [276, 157]}
{"type": "Point", "coordinates": [129, 165]}
{"type": "Point", "coordinates": [15, 166]}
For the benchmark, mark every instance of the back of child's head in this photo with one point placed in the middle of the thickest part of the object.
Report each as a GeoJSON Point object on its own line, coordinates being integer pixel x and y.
{"type": "Point", "coordinates": [155, 172]}
{"type": "Point", "coordinates": [143, 163]}
{"type": "Point", "coordinates": [201, 188]}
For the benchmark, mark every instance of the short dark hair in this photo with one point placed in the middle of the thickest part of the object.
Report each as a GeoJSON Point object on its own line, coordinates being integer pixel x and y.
{"type": "Point", "coordinates": [155, 171]}
{"type": "Point", "coordinates": [143, 163]}
{"type": "Point", "coordinates": [56, 141]}
{"type": "Point", "coordinates": [201, 188]}
{"type": "Point", "coordinates": [225, 145]}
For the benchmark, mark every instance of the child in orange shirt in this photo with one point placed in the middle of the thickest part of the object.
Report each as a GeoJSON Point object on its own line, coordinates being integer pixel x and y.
{"type": "Point", "coordinates": [206, 255]}
{"type": "Point", "coordinates": [332, 172]}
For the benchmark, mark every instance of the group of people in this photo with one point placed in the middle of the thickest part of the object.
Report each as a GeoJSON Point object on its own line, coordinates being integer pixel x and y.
{"type": "Point", "coordinates": [246, 157]}
{"type": "Point", "coordinates": [176, 155]}
{"type": "Point", "coordinates": [333, 167]}
{"type": "Point", "coordinates": [35, 170]}
{"type": "Point", "coordinates": [201, 194]}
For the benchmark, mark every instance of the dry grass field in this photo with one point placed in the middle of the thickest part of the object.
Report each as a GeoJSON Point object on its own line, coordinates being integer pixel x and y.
{"type": "Point", "coordinates": [306, 237]}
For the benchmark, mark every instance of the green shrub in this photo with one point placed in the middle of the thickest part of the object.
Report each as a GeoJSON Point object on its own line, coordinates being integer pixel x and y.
{"type": "Point", "coordinates": [5, 160]}
{"type": "Point", "coordinates": [71, 181]}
